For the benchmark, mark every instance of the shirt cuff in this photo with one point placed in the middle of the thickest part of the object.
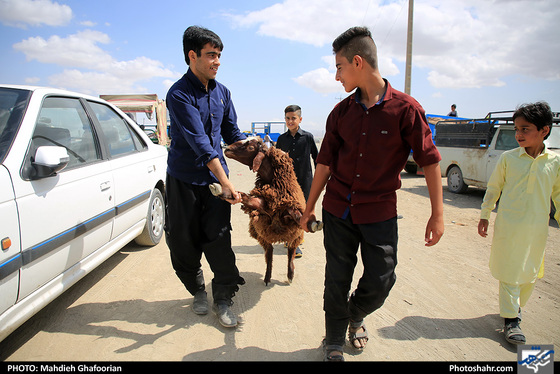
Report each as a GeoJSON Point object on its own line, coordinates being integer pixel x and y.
{"type": "Point", "coordinates": [485, 214]}
{"type": "Point", "coordinates": [201, 161]}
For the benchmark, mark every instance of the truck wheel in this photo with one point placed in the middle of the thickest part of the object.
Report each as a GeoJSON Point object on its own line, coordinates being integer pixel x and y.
{"type": "Point", "coordinates": [153, 230]}
{"type": "Point", "coordinates": [455, 182]}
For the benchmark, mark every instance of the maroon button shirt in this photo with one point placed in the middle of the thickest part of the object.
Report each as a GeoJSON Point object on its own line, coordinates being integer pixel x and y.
{"type": "Point", "coordinates": [366, 150]}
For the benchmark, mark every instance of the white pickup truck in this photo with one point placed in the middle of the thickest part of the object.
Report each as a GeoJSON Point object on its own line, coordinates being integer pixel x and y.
{"type": "Point", "coordinates": [470, 148]}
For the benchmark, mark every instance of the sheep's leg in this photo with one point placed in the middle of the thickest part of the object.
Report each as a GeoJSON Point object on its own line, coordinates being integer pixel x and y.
{"type": "Point", "coordinates": [217, 190]}
{"type": "Point", "coordinates": [253, 202]}
{"type": "Point", "coordinates": [313, 225]}
{"type": "Point", "coordinates": [292, 246]}
{"type": "Point", "coordinates": [291, 266]}
{"type": "Point", "coordinates": [256, 204]}
{"type": "Point", "coordinates": [268, 251]}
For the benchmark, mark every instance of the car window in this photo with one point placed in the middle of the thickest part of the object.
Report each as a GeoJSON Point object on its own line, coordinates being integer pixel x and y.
{"type": "Point", "coordinates": [63, 122]}
{"type": "Point", "coordinates": [138, 141]}
{"type": "Point", "coordinates": [506, 140]}
{"type": "Point", "coordinates": [553, 140]}
{"type": "Point", "coordinates": [13, 103]}
{"type": "Point", "coordinates": [120, 137]}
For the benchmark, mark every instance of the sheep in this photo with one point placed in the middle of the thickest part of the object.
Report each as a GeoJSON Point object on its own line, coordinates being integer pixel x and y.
{"type": "Point", "coordinates": [276, 203]}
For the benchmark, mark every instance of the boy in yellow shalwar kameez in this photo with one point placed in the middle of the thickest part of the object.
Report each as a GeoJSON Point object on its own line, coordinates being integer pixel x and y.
{"type": "Point", "coordinates": [525, 180]}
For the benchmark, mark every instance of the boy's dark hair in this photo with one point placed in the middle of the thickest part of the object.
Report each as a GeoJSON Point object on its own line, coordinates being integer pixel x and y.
{"type": "Point", "coordinates": [196, 37]}
{"type": "Point", "coordinates": [293, 108]}
{"type": "Point", "coordinates": [356, 41]}
{"type": "Point", "coordinates": [539, 114]}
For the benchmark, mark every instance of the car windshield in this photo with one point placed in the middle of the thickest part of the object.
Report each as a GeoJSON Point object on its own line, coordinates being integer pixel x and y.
{"type": "Point", "coordinates": [553, 140]}
{"type": "Point", "coordinates": [13, 103]}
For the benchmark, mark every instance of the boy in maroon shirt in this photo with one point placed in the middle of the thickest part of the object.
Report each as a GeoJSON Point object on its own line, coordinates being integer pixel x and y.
{"type": "Point", "coordinates": [368, 138]}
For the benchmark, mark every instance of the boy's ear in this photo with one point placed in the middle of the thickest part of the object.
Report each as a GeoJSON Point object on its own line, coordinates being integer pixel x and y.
{"type": "Point", "coordinates": [358, 61]}
{"type": "Point", "coordinates": [546, 130]}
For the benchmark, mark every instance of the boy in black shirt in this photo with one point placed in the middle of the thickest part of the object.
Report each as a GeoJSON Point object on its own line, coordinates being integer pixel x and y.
{"type": "Point", "coordinates": [300, 146]}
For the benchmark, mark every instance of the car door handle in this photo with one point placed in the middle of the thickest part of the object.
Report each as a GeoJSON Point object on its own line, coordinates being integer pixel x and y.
{"type": "Point", "coordinates": [105, 186]}
{"type": "Point", "coordinates": [151, 168]}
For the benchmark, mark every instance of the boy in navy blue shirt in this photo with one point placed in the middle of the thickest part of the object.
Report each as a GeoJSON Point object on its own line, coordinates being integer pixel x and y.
{"type": "Point", "coordinates": [201, 113]}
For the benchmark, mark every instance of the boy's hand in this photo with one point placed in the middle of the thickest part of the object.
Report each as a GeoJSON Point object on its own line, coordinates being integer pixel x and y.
{"type": "Point", "coordinates": [434, 231]}
{"type": "Point", "coordinates": [306, 216]}
{"type": "Point", "coordinates": [236, 198]}
{"type": "Point", "coordinates": [233, 197]}
{"type": "Point", "coordinates": [483, 228]}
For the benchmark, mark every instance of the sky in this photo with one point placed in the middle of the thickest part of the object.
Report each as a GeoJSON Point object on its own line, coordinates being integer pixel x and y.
{"type": "Point", "coordinates": [482, 55]}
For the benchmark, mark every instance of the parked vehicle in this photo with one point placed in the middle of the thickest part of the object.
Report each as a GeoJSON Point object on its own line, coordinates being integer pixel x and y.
{"type": "Point", "coordinates": [470, 148]}
{"type": "Point", "coordinates": [432, 119]}
{"type": "Point", "coordinates": [148, 104]}
{"type": "Point", "coordinates": [78, 181]}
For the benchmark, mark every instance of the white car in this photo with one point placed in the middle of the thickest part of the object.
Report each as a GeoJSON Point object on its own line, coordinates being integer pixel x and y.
{"type": "Point", "coordinates": [78, 181]}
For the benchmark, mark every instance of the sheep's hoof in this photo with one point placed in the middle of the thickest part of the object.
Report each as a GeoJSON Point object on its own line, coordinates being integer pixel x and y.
{"type": "Point", "coordinates": [315, 226]}
{"type": "Point", "coordinates": [216, 189]}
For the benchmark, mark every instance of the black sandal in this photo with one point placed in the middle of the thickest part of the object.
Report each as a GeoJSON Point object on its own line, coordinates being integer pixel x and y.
{"type": "Point", "coordinates": [332, 352]}
{"type": "Point", "coordinates": [359, 334]}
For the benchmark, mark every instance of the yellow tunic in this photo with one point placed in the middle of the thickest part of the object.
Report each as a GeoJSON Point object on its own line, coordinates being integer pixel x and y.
{"type": "Point", "coordinates": [525, 187]}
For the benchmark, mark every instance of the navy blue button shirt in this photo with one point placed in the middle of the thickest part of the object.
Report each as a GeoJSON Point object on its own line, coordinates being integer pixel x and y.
{"type": "Point", "coordinates": [199, 120]}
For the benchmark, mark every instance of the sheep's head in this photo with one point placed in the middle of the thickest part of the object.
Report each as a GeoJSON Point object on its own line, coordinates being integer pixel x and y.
{"type": "Point", "coordinates": [249, 152]}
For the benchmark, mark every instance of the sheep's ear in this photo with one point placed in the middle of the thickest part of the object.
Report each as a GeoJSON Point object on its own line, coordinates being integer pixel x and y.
{"type": "Point", "coordinates": [257, 161]}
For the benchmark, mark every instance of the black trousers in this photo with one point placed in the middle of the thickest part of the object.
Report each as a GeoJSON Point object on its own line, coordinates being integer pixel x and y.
{"type": "Point", "coordinates": [378, 247]}
{"type": "Point", "coordinates": [197, 222]}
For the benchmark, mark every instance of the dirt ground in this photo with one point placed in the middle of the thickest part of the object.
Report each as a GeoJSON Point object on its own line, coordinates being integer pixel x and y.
{"type": "Point", "coordinates": [442, 308]}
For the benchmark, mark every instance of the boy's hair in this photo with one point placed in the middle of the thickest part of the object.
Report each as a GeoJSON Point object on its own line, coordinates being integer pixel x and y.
{"type": "Point", "coordinates": [357, 41]}
{"type": "Point", "coordinates": [196, 37]}
{"type": "Point", "coordinates": [539, 114]}
{"type": "Point", "coordinates": [293, 108]}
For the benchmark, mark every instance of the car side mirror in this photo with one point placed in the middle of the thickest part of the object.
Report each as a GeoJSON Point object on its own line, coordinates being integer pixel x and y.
{"type": "Point", "coordinates": [49, 160]}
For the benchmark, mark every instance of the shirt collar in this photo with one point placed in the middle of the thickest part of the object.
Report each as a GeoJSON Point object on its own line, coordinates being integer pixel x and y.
{"type": "Point", "coordinates": [386, 95]}
{"type": "Point", "coordinates": [298, 132]}
{"type": "Point", "coordinates": [193, 79]}
{"type": "Point", "coordinates": [522, 152]}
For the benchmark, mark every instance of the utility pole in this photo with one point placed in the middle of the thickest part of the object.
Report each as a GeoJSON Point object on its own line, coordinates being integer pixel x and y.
{"type": "Point", "coordinates": [408, 72]}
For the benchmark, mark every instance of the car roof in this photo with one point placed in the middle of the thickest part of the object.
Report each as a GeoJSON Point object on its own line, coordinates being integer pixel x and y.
{"type": "Point", "coordinates": [49, 90]}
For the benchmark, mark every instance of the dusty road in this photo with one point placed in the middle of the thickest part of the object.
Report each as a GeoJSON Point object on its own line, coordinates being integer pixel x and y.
{"type": "Point", "coordinates": [442, 308]}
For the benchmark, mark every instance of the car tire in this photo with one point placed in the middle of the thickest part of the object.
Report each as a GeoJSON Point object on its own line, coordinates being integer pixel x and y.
{"type": "Point", "coordinates": [455, 182]}
{"type": "Point", "coordinates": [411, 168]}
{"type": "Point", "coordinates": [153, 230]}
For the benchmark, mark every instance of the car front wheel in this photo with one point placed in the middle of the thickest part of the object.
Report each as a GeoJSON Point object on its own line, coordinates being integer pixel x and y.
{"type": "Point", "coordinates": [153, 230]}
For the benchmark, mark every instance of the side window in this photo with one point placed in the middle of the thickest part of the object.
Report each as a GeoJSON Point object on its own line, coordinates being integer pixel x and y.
{"type": "Point", "coordinates": [120, 137]}
{"type": "Point", "coordinates": [63, 122]}
{"type": "Point", "coordinates": [506, 140]}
